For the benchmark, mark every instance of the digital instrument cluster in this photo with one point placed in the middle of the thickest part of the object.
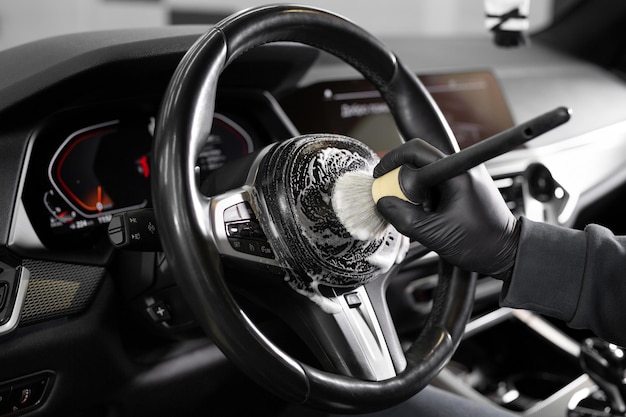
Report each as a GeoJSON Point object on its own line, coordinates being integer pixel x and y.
{"type": "Point", "coordinates": [89, 164]}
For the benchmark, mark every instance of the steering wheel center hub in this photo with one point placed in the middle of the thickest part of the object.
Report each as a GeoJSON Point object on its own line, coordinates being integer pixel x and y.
{"type": "Point", "coordinates": [293, 193]}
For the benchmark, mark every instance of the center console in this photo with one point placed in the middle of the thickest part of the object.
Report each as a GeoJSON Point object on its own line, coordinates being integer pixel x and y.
{"type": "Point", "coordinates": [519, 361]}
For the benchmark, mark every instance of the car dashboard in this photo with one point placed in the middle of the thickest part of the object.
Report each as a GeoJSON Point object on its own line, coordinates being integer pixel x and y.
{"type": "Point", "coordinates": [78, 117]}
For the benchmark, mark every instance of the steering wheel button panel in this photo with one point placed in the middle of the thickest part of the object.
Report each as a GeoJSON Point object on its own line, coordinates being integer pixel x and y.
{"type": "Point", "coordinates": [237, 229]}
{"type": "Point", "coordinates": [244, 231]}
{"type": "Point", "coordinates": [252, 247]}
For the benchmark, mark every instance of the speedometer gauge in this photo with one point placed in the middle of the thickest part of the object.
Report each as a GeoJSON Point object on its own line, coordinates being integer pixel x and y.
{"type": "Point", "coordinates": [102, 169]}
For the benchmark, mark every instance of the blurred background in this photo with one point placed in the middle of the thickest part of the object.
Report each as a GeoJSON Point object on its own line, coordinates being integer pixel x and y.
{"type": "Point", "coordinates": [22, 21]}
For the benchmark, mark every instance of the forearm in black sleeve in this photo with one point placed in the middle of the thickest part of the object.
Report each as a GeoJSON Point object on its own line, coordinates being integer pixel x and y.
{"type": "Point", "coordinates": [576, 276]}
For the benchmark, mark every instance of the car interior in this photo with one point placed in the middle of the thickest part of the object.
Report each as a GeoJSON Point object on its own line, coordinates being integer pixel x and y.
{"type": "Point", "coordinates": [152, 262]}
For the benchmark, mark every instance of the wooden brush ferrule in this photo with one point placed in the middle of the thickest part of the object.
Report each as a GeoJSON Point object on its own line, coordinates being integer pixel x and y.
{"type": "Point", "coordinates": [388, 185]}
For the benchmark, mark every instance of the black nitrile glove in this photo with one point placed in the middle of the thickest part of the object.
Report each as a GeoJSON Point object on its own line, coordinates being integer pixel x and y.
{"type": "Point", "coordinates": [466, 220]}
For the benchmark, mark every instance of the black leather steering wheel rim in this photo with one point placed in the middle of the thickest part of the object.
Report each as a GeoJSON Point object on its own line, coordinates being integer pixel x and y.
{"type": "Point", "coordinates": [185, 120]}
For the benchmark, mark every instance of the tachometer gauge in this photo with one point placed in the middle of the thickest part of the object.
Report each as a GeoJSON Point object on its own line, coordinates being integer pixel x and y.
{"type": "Point", "coordinates": [228, 140]}
{"type": "Point", "coordinates": [102, 169]}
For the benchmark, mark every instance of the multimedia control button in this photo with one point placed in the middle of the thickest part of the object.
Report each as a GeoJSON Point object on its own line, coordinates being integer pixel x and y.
{"type": "Point", "coordinates": [135, 230]}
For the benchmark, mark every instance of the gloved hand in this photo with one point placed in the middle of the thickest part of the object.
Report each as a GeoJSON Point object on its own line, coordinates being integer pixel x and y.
{"type": "Point", "coordinates": [465, 221]}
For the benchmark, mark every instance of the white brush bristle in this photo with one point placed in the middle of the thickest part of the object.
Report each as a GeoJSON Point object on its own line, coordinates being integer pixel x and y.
{"type": "Point", "coordinates": [355, 208]}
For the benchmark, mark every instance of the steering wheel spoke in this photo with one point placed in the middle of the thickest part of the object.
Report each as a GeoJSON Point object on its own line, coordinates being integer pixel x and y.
{"type": "Point", "coordinates": [349, 332]}
{"type": "Point", "coordinates": [365, 345]}
{"type": "Point", "coordinates": [348, 338]}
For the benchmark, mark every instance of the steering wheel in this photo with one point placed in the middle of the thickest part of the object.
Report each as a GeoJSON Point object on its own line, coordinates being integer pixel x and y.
{"type": "Point", "coordinates": [332, 295]}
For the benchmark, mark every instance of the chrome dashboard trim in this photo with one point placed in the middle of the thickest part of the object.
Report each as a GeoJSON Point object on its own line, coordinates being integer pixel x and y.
{"type": "Point", "coordinates": [587, 167]}
{"type": "Point", "coordinates": [23, 277]}
{"type": "Point", "coordinates": [22, 235]}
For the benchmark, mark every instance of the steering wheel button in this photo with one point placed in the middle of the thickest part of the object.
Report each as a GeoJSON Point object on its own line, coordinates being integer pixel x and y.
{"type": "Point", "coordinates": [231, 214]}
{"type": "Point", "coordinates": [232, 230]}
{"type": "Point", "coordinates": [255, 230]}
{"type": "Point", "coordinates": [266, 250]}
{"type": "Point", "coordinates": [251, 247]}
{"type": "Point", "coordinates": [245, 230]}
{"type": "Point", "coordinates": [353, 300]}
{"type": "Point", "coordinates": [245, 211]}
{"type": "Point", "coordinates": [236, 244]}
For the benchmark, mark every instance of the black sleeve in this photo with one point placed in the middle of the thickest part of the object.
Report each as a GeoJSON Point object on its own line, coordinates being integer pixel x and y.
{"type": "Point", "coordinates": [573, 275]}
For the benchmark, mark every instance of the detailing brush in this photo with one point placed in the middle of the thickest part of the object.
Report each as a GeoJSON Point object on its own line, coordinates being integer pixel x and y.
{"type": "Point", "coordinates": [356, 193]}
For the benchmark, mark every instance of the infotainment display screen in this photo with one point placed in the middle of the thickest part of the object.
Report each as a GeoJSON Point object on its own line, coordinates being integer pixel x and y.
{"type": "Point", "coordinates": [472, 103]}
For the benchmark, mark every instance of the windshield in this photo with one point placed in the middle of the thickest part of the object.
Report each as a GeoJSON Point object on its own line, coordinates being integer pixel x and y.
{"type": "Point", "coordinates": [22, 21]}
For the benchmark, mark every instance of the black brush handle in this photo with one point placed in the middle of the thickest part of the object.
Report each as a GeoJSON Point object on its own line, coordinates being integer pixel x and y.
{"type": "Point", "coordinates": [414, 180]}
